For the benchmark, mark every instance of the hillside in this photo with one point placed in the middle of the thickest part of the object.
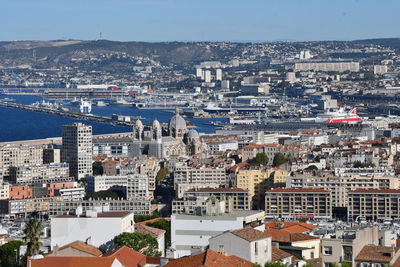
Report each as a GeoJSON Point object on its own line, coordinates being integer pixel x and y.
{"type": "Point", "coordinates": [55, 53]}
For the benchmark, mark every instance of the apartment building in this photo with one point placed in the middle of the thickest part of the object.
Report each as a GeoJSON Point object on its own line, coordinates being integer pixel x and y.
{"type": "Point", "coordinates": [216, 147]}
{"type": "Point", "coordinates": [257, 181]}
{"type": "Point", "coordinates": [247, 243]}
{"type": "Point", "coordinates": [298, 203]}
{"type": "Point", "coordinates": [137, 187]}
{"type": "Point", "coordinates": [77, 149]}
{"type": "Point", "coordinates": [240, 197]}
{"type": "Point", "coordinates": [196, 202]}
{"type": "Point", "coordinates": [251, 151]}
{"type": "Point", "coordinates": [22, 207]}
{"type": "Point", "coordinates": [374, 204]}
{"type": "Point", "coordinates": [74, 193]}
{"type": "Point", "coordinates": [182, 188]}
{"type": "Point", "coordinates": [345, 244]}
{"type": "Point", "coordinates": [341, 185]}
{"type": "Point", "coordinates": [106, 182]}
{"type": "Point", "coordinates": [51, 155]}
{"type": "Point", "coordinates": [199, 174]}
{"type": "Point", "coordinates": [4, 191]}
{"type": "Point", "coordinates": [139, 207]}
{"type": "Point", "coordinates": [190, 234]}
{"type": "Point", "coordinates": [20, 156]}
{"type": "Point", "coordinates": [340, 66]}
{"type": "Point", "coordinates": [45, 173]}
{"type": "Point", "coordinates": [112, 146]}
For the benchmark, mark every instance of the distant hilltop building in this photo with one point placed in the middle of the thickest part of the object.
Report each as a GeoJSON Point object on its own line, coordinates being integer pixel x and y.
{"type": "Point", "coordinates": [207, 75]}
{"type": "Point", "coordinates": [305, 54]}
{"type": "Point", "coordinates": [380, 69]}
{"type": "Point", "coordinates": [334, 66]}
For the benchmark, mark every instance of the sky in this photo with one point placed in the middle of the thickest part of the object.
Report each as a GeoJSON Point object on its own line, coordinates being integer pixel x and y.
{"type": "Point", "coordinates": [199, 20]}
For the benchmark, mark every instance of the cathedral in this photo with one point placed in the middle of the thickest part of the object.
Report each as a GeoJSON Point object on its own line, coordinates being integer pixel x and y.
{"type": "Point", "coordinates": [176, 140]}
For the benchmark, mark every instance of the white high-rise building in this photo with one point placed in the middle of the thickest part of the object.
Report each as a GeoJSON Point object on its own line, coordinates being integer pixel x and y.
{"type": "Point", "coordinates": [225, 84]}
{"type": "Point", "coordinates": [291, 77]}
{"type": "Point", "coordinates": [77, 149]}
{"type": "Point", "coordinates": [199, 73]}
{"type": "Point", "coordinates": [207, 76]}
{"type": "Point", "coordinates": [380, 69]}
{"type": "Point", "coordinates": [218, 75]}
{"type": "Point", "coordinates": [305, 54]}
{"type": "Point", "coordinates": [137, 187]}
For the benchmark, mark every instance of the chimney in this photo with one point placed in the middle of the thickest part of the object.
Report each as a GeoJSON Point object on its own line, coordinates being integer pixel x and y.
{"type": "Point", "coordinates": [222, 250]}
{"type": "Point", "coordinates": [55, 250]}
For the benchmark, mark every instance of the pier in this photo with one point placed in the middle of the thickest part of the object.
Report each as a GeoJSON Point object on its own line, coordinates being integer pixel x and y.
{"type": "Point", "coordinates": [70, 114]}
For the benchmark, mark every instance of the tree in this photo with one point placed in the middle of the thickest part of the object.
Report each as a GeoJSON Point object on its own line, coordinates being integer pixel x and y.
{"type": "Point", "coordinates": [9, 253]}
{"type": "Point", "coordinates": [143, 243]}
{"type": "Point", "coordinates": [279, 159]}
{"type": "Point", "coordinates": [312, 168]}
{"type": "Point", "coordinates": [141, 218]}
{"type": "Point", "coordinates": [260, 159]}
{"type": "Point", "coordinates": [32, 231]}
{"type": "Point", "coordinates": [359, 164]}
{"type": "Point", "coordinates": [104, 194]}
{"type": "Point", "coordinates": [97, 168]}
{"type": "Point", "coordinates": [164, 225]}
{"type": "Point", "coordinates": [161, 174]}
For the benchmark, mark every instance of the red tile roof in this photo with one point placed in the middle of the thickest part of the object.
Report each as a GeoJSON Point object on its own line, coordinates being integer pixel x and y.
{"type": "Point", "coordinates": [372, 253]}
{"type": "Point", "coordinates": [72, 262]}
{"type": "Point", "coordinates": [279, 254]}
{"type": "Point", "coordinates": [286, 237]}
{"type": "Point", "coordinates": [209, 258]}
{"type": "Point", "coordinates": [145, 229]}
{"type": "Point", "coordinates": [291, 227]}
{"type": "Point", "coordinates": [81, 246]}
{"type": "Point", "coordinates": [128, 256]}
{"type": "Point", "coordinates": [250, 234]}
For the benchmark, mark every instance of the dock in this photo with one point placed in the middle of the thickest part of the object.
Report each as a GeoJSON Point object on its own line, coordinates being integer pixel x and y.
{"type": "Point", "coordinates": [69, 114]}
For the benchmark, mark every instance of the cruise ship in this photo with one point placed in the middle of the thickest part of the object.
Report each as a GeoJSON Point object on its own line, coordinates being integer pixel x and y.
{"type": "Point", "coordinates": [340, 116]}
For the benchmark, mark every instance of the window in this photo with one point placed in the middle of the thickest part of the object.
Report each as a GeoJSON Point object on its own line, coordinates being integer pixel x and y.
{"type": "Point", "coordinates": [256, 248]}
{"type": "Point", "coordinates": [327, 250]}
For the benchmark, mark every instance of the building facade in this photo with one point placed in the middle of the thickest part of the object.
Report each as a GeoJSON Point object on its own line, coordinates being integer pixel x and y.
{"type": "Point", "coordinates": [77, 149]}
{"type": "Point", "coordinates": [90, 227]}
{"type": "Point", "coordinates": [374, 204]}
{"type": "Point", "coordinates": [298, 203]}
{"type": "Point", "coordinates": [45, 173]}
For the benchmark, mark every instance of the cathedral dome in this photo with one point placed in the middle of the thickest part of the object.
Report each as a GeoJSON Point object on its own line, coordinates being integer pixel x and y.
{"type": "Point", "coordinates": [193, 134]}
{"type": "Point", "coordinates": [177, 123]}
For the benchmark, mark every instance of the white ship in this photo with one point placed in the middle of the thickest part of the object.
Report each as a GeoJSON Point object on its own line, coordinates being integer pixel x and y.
{"type": "Point", "coordinates": [82, 106]}
{"type": "Point", "coordinates": [340, 116]}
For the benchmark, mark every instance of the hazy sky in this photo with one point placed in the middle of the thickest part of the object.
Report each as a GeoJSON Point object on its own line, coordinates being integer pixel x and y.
{"type": "Point", "coordinates": [188, 20]}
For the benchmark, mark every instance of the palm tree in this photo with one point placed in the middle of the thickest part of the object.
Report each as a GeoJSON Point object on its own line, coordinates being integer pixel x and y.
{"type": "Point", "coordinates": [32, 231]}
